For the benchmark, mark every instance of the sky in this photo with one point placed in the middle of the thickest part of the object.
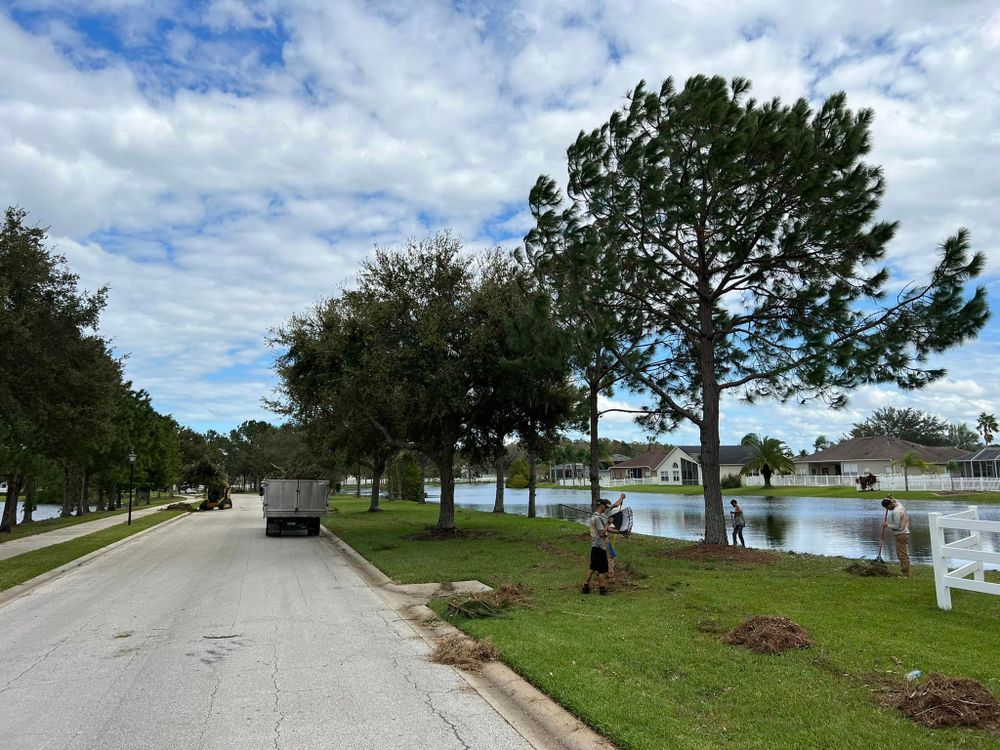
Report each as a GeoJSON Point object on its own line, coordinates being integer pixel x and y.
{"type": "Point", "coordinates": [223, 164]}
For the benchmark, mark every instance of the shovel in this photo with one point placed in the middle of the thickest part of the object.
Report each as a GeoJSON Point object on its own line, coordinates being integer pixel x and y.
{"type": "Point", "coordinates": [881, 541]}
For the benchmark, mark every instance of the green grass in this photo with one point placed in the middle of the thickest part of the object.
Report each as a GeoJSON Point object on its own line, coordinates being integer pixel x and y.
{"type": "Point", "coordinates": [51, 524]}
{"type": "Point", "coordinates": [21, 568]}
{"type": "Point", "coordinates": [636, 665]}
{"type": "Point", "coordinates": [846, 492]}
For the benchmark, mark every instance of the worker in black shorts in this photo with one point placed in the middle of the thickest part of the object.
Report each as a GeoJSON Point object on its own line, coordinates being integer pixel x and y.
{"type": "Point", "coordinates": [600, 524]}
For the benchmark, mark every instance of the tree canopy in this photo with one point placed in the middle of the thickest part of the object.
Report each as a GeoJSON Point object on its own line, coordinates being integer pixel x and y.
{"type": "Point", "coordinates": [748, 254]}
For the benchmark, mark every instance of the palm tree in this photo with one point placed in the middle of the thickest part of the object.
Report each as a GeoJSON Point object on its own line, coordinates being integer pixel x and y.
{"type": "Point", "coordinates": [987, 426]}
{"type": "Point", "coordinates": [953, 467]}
{"type": "Point", "coordinates": [767, 455]}
{"type": "Point", "coordinates": [912, 460]}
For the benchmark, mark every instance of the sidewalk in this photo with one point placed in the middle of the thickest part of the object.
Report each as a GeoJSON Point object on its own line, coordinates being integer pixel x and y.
{"type": "Point", "coordinates": [57, 536]}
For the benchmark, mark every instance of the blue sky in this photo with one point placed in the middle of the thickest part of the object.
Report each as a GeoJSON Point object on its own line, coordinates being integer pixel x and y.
{"type": "Point", "coordinates": [223, 164]}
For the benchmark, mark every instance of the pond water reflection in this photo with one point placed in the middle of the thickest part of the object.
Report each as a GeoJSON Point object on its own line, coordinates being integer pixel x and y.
{"type": "Point", "coordinates": [820, 526]}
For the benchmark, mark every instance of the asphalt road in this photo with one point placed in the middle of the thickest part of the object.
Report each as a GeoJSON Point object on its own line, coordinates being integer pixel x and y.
{"type": "Point", "coordinates": [207, 634]}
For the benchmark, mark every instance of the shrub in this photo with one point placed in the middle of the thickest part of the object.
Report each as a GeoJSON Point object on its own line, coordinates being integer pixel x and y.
{"type": "Point", "coordinates": [517, 482]}
{"type": "Point", "coordinates": [731, 482]}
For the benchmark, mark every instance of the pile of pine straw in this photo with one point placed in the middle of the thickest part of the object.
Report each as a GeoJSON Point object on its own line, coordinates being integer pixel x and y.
{"type": "Point", "coordinates": [464, 652]}
{"type": "Point", "coordinates": [939, 701]}
{"type": "Point", "coordinates": [764, 634]}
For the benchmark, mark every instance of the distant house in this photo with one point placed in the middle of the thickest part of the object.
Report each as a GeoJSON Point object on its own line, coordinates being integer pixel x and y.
{"type": "Point", "coordinates": [984, 462]}
{"type": "Point", "coordinates": [878, 455]}
{"type": "Point", "coordinates": [678, 465]}
{"type": "Point", "coordinates": [578, 471]}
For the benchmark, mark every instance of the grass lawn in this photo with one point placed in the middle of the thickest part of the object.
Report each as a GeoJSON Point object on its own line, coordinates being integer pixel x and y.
{"type": "Point", "coordinates": [981, 498]}
{"type": "Point", "coordinates": [647, 666]}
{"type": "Point", "coordinates": [50, 524]}
{"type": "Point", "coordinates": [20, 568]}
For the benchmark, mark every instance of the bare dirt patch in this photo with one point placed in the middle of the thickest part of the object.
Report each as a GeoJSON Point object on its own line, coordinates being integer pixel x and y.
{"type": "Point", "coordinates": [440, 535]}
{"type": "Point", "coordinates": [490, 603]}
{"type": "Point", "coordinates": [719, 553]}
{"type": "Point", "coordinates": [464, 652]}
{"type": "Point", "coordinates": [764, 634]}
{"type": "Point", "coordinates": [869, 570]}
{"type": "Point", "coordinates": [182, 506]}
{"type": "Point", "coordinates": [939, 701]}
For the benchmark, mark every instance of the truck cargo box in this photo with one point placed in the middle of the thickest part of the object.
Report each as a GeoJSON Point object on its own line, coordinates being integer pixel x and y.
{"type": "Point", "coordinates": [294, 504]}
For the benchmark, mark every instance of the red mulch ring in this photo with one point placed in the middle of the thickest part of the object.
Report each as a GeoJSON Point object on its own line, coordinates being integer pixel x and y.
{"type": "Point", "coordinates": [939, 701]}
{"type": "Point", "coordinates": [719, 553]}
{"type": "Point", "coordinates": [764, 634]}
{"type": "Point", "coordinates": [437, 535]}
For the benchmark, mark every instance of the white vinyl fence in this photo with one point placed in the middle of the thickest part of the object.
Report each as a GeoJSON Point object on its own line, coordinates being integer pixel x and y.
{"type": "Point", "coordinates": [967, 549]}
{"type": "Point", "coordinates": [885, 483]}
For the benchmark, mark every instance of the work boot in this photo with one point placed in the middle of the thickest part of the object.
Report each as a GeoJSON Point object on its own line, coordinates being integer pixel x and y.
{"type": "Point", "coordinates": [604, 591]}
{"type": "Point", "coordinates": [585, 589]}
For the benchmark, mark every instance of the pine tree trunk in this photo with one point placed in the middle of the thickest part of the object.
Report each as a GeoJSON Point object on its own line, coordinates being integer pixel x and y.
{"type": "Point", "coordinates": [498, 498]}
{"type": "Point", "coordinates": [446, 463]}
{"type": "Point", "coordinates": [83, 507]}
{"type": "Point", "coordinates": [9, 519]}
{"type": "Point", "coordinates": [531, 484]}
{"type": "Point", "coordinates": [715, 517]}
{"type": "Point", "coordinates": [595, 475]}
{"type": "Point", "coordinates": [100, 499]}
{"type": "Point", "coordinates": [357, 492]}
{"type": "Point", "coordinates": [29, 499]}
{"type": "Point", "coordinates": [67, 501]}
{"type": "Point", "coordinates": [376, 486]}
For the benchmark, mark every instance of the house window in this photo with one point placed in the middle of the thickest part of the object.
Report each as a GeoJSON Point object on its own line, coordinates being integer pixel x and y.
{"type": "Point", "coordinates": [677, 475]}
{"type": "Point", "coordinates": [664, 477]}
{"type": "Point", "coordinates": [849, 468]}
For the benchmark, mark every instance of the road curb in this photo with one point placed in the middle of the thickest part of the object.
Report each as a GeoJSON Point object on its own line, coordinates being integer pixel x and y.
{"type": "Point", "coordinates": [21, 589]}
{"type": "Point", "coordinates": [539, 719]}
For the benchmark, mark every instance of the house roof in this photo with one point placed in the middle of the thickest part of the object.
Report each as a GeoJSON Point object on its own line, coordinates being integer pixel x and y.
{"type": "Point", "coordinates": [728, 454]}
{"type": "Point", "coordinates": [881, 448]}
{"type": "Point", "coordinates": [989, 453]}
{"type": "Point", "coordinates": [649, 460]}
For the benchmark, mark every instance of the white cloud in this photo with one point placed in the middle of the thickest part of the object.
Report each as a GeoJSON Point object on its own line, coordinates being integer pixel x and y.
{"type": "Point", "coordinates": [219, 186]}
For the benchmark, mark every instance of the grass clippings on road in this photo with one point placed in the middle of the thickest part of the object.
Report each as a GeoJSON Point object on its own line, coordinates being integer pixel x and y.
{"type": "Point", "coordinates": [648, 665]}
{"type": "Point", "coordinates": [21, 568]}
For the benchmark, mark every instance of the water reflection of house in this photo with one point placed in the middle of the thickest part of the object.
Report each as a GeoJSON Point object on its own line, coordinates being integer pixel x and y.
{"type": "Point", "coordinates": [984, 462]}
{"type": "Point", "coordinates": [678, 465]}
{"type": "Point", "coordinates": [878, 455]}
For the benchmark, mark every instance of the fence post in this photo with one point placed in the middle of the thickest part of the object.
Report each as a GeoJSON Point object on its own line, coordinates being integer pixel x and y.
{"type": "Point", "coordinates": [939, 561]}
{"type": "Point", "coordinates": [980, 572]}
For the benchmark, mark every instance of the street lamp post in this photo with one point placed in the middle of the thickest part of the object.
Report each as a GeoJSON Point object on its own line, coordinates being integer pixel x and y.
{"type": "Point", "coordinates": [131, 477]}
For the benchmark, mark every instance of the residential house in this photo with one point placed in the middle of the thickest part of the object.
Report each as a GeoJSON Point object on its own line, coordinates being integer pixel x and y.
{"type": "Point", "coordinates": [878, 455]}
{"type": "Point", "coordinates": [579, 471]}
{"type": "Point", "coordinates": [678, 465]}
{"type": "Point", "coordinates": [983, 462]}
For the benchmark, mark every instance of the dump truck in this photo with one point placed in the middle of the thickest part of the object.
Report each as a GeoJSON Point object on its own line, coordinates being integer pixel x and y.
{"type": "Point", "coordinates": [294, 504]}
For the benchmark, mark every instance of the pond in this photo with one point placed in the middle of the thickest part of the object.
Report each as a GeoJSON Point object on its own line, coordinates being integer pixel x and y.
{"type": "Point", "coordinates": [50, 510]}
{"type": "Point", "coordinates": [820, 526]}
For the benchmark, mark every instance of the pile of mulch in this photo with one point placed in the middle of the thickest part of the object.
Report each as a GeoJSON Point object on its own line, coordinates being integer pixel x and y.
{"type": "Point", "coordinates": [869, 570]}
{"type": "Point", "coordinates": [182, 506]}
{"type": "Point", "coordinates": [464, 652]}
{"type": "Point", "coordinates": [764, 634]}
{"type": "Point", "coordinates": [493, 603]}
{"type": "Point", "coordinates": [719, 553]}
{"type": "Point", "coordinates": [939, 701]}
{"type": "Point", "coordinates": [437, 535]}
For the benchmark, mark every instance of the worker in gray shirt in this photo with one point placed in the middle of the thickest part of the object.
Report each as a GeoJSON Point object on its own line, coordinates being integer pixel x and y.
{"type": "Point", "coordinates": [897, 520]}
{"type": "Point", "coordinates": [600, 523]}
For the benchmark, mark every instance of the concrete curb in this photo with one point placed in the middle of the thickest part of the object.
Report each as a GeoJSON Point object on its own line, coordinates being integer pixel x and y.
{"type": "Point", "coordinates": [21, 589]}
{"type": "Point", "coordinates": [539, 719]}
